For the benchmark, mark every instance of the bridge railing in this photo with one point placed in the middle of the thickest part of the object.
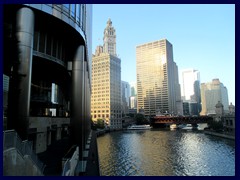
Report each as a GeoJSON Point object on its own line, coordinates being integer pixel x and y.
{"type": "Point", "coordinates": [182, 119]}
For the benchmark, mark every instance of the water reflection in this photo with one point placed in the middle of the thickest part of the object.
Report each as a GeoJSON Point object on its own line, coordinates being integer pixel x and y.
{"type": "Point", "coordinates": [165, 153]}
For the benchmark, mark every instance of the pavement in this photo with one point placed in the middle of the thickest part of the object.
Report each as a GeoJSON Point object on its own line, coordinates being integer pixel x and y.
{"type": "Point", "coordinates": [52, 157]}
{"type": "Point", "coordinates": [92, 168]}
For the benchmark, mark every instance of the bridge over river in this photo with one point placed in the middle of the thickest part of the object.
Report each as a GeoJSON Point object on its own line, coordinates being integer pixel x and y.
{"type": "Point", "coordinates": [163, 120]}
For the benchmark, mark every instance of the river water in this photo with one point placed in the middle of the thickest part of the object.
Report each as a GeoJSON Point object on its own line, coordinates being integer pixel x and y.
{"type": "Point", "coordinates": [161, 152]}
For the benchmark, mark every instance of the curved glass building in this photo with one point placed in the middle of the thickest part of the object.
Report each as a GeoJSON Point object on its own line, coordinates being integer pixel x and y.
{"type": "Point", "coordinates": [47, 72]}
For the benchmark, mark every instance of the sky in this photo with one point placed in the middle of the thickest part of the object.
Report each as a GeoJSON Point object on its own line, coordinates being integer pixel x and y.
{"type": "Point", "coordinates": [203, 36]}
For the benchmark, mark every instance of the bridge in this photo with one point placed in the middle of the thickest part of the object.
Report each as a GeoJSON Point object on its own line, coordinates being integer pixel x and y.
{"type": "Point", "coordinates": [162, 120]}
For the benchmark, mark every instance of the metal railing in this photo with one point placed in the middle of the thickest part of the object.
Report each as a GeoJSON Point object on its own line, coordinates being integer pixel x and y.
{"type": "Point", "coordinates": [71, 162]}
{"type": "Point", "coordinates": [12, 140]}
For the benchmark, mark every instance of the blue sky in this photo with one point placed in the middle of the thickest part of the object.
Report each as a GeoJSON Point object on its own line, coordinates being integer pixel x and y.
{"type": "Point", "coordinates": [203, 36]}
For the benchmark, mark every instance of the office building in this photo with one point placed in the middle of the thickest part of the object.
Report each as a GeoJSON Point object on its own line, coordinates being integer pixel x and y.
{"type": "Point", "coordinates": [211, 93]}
{"type": "Point", "coordinates": [133, 102]}
{"type": "Point", "coordinates": [133, 96]}
{"type": "Point", "coordinates": [106, 81]}
{"type": "Point", "coordinates": [189, 77]}
{"type": "Point", "coordinates": [47, 68]}
{"type": "Point", "coordinates": [190, 89]}
{"type": "Point", "coordinates": [133, 87]}
{"type": "Point", "coordinates": [158, 89]}
{"type": "Point", "coordinates": [125, 97]}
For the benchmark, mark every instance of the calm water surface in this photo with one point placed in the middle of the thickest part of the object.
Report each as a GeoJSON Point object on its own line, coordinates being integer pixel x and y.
{"type": "Point", "coordinates": [160, 152]}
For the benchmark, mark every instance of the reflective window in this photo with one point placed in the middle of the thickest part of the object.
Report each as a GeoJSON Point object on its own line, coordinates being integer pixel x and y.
{"type": "Point", "coordinates": [77, 13]}
{"type": "Point", "coordinates": [80, 14]}
{"type": "Point", "coordinates": [73, 10]}
{"type": "Point", "coordinates": [66, 7]}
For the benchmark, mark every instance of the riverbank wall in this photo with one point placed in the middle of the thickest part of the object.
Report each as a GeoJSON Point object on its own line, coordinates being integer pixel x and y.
{"type": "Point", "coordinates": [219, 134]}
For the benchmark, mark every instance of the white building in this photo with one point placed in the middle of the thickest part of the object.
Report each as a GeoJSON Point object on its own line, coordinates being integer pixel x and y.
{"type": "Point", "coordinates": [211, 93]}
{"type": "Point", "coordinates": [189, 77]}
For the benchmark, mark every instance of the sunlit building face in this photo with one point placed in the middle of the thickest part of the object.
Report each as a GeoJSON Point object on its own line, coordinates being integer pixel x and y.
{"type": "Point", "coordinates": [106, 81]}
{"type": "Point", "coordinates": [157, 78]}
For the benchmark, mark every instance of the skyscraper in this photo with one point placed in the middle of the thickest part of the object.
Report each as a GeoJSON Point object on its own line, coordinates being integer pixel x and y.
{"type": "Point", "coordinates": [158, 89]}
{"type": "Point", "coordinates": [190, 89]}
{"type": "Point", "coordinates": [106, 81]}
{"type": "Point", "coordinates": [189, 77]}
{"type": "Point", "coordinates": [47, 67]}
{"type": "Point", "coordinates": [133, 87]}
{"type": "Point", "coordinates": [133, 97]}
{"type": "Point", "coordinates": [211, 93]}
{"type": "Point", "coordinates": [125, 97]}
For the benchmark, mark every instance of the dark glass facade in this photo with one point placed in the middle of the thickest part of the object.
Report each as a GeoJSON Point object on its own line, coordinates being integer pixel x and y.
{"type": "Point", "coordinates": [47, 70]}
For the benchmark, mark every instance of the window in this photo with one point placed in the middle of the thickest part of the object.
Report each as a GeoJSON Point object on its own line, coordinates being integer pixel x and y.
{"type": "Point", "coordinates": [78, 13]}
{"type": "Point", "coordinates": [59, 53]}
{"type": "Point", "coordinates": [42, 42]}
{"type": "Point", "coordinates": [54, 50]}
{"type": "Point", "coordinates": [66, 7]}
{"type": "Point", "coordinates": [49, 45]}
{"type": "Point", "coordinates": [35, 45]}
{"type": "Point", "coordinates": [73, 10]}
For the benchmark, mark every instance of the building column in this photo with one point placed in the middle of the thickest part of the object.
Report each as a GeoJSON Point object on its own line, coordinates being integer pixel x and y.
{"type": "Point", "coordinates": [77, 99]}
{"type": "Point", "coordinates": [88, 117]}
{"type": "Point", "coordinates": [22, 72]}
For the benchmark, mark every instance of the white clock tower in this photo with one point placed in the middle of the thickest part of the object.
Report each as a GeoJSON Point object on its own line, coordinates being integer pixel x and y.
{"type": "Point", "coordinates": [109, 39]}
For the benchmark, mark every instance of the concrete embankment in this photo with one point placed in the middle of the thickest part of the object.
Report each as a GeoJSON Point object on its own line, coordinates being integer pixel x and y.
{"type": "Point", "coordinates": [219, 134]}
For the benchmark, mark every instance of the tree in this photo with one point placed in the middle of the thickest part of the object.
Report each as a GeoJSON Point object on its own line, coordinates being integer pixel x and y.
{"type": "Point", "coordinates": [215, 125]}
{"type": "Point", "coordinates": [140, 119]}
{"type": "Point", "coordinates": [100, 124]}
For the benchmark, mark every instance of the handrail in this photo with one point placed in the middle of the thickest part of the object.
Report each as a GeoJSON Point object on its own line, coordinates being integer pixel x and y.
{"type": "Point", "coordinates": [71, 162]}
{"type": "Point", "coordinates": [66, 168]}
{"type": "Point", "coordinates": [11, 139]}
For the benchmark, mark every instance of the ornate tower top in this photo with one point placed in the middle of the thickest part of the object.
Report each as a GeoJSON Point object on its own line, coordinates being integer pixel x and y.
{"type": "Point", "coordinates": [109, 22]}
{"type": "Point", "coordinates": [109, 39]}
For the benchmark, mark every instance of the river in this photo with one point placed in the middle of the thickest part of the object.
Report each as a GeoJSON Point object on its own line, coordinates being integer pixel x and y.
{"type": "Point", "coordinates": [161, 152]}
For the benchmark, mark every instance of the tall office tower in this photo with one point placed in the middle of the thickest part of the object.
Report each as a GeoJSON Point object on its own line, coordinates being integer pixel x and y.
{"type": "Point", "coordinates": [106, 83]}
{"type": "Point", "coordinates": [47, 62]}
{"type": "Point", "coordinates": [133, 102]}
{"type": "Point", "coordinates": [133, 87]}
{"type": "Point", "coordinates": [211, 93]}
{"type": "Point", "coordinates": [158, 89]}
{"type": "Point", "coordinates": [190, 89]}
{"type": "Point", "coordinates": [133, 97]}
{"type": "Point", "coordinates": [189, 77]}
{"type": "Point", "coordinates": [125, 97]}
{"type": "Point", "coordinates": [42, 81]}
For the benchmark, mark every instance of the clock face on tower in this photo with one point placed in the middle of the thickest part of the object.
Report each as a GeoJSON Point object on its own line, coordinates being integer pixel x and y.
{"type": "Point", "coordinates": [110, 40]}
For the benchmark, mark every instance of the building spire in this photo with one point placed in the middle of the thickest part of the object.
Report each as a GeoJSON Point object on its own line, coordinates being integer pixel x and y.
{"type": "Point", "coordinates": [109, 22]}
{"type": "Point", "coordinates": [109, 39]}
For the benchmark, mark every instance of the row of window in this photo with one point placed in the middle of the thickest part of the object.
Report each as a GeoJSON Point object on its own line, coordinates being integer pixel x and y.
{"type": "Point", "coordinates": [77, 13]}
{"type": "Point", "coordinates": [116, 107]}
{"type": "Point", "coordinates": [101, 116]}
{"type": "Point", "coordinates": [99, 80]}
{"type": "Point", "coordinates": [51, 45]}
{"type": "Point", "coordinates": [99, 94]}
{"type": "Point", "coordinates": [106, 116]}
